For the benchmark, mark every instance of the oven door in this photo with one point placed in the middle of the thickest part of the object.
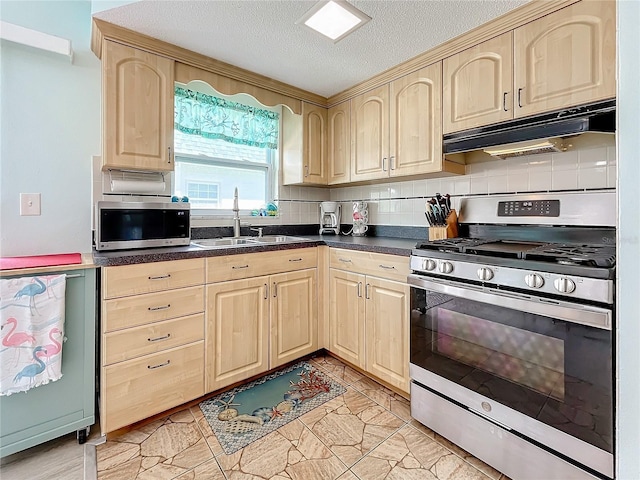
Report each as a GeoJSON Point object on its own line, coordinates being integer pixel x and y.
{"type": "Point", "coordinates": [539, 367]}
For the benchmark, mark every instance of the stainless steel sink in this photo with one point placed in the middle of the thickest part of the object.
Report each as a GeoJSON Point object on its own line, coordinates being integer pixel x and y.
{"type": "Point", "coordinates": [223, 242]}
{"type": "Point", "coordinates": [279, 239]}
{"type": "Point", "coordinates": [246, 241]}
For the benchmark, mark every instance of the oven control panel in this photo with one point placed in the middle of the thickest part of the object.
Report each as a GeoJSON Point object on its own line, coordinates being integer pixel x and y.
{"type": "Point", "coordinates": [529, 208]}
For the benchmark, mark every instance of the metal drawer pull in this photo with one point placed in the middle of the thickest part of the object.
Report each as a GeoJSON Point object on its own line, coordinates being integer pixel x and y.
{"type": "Point", "coordinates": [275, 289]}
{"type": "Point", "coordinates": [519, 96]}
{"type": "Point", "coordinates": [295, 259]}
{"type": "Point", "coordinates": [75, 275]}
{"type": "Point", "coordinates": [160, 365]}
{"type": "Point", "coordinates": [157, 339]}
{"type": "Point", "coordinates": [239, 267]}
{"type": "Point", "coordinates": [359, 289]}
{"type": "Point", "coordinates": [386, 267]}
{"type": "Point", "coordinates": [366, 291]}
{"type": "Point", "coordinates": [266, 291]}
{"type": "Point", "coordinates": [504, 102]}
{"type": "Point", "coordinates": [344, 260]}
{"type": "Point", "coordinates": [160, 277]}
{"type": "Point", "coordinates": [164, 307]}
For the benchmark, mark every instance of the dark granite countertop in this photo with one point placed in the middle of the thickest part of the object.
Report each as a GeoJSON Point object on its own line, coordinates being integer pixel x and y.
{"type": "Point", "coordinates": [389, 245]}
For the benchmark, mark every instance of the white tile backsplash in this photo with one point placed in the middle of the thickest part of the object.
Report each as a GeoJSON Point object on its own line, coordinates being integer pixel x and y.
{"type": "Point", "coordinates": [564, 179]}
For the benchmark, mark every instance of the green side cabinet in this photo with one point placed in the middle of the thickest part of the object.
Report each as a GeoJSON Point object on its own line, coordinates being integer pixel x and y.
{"type": "Point", "coordinates": [57, 408]}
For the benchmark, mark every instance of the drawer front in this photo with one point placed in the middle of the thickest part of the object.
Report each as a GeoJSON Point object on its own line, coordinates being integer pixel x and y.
{"type": "Point", "coordinates": [151, 277]}
{"type": "Point", "coordinates": [393, 267]}
{"type": "Point", "coordinates": [128, 312]}
{"type": "Point", "coordinates": [139, 388]}
{"type": "Point", "coordinates": [135, 342]}
{"type": "Point", "coordinates": [236, 267]}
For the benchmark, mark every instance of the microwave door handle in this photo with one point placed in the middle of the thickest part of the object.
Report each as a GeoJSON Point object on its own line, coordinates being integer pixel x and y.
{"type": "Point", "coordinates": [561, 310]}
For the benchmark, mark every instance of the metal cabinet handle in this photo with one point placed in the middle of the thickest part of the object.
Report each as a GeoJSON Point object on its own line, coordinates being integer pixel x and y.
{"type": "Point", "coordinates": [386, 267]}
{"type": "Point", "coordinates": [275, 289]}
{"type": "Point", "coordinates": [295, 259]}
{"type": "Point", "coordinates": [359, 289]}
{"type": "Point", "coordinates": [384, 160]}
{"type": "Point", "coordinates": [266, 291]}
{"type": "Point", "coordinates": [169, 156]}
{"type": "Point", "coordinates": [238, 267]}
{"type": "Point", "coordinates": [504, 101]}
{"type": "Point", "coordinates": [344, 260]}
{"type": "Point", "coordinates": [519, 96]}
{"type": "Point", "coordinates": [366, 291]}
{"type": "Point", "coordinates": [160, 365]}
{"type": "Point", "coordinates": [157, 339]}
{"type": "Point", "coordinates": [160, 277]}
{"type": "Point", "coordinates": [306, 170]}
{"type": "Point", "coordinates": [392, 163]}
{"type": "Point", "coordinates": [163, 307]}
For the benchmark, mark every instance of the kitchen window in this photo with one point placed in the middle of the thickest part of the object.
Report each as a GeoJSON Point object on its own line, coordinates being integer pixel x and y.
{"type": "Point", "coordinates": [220, 145]}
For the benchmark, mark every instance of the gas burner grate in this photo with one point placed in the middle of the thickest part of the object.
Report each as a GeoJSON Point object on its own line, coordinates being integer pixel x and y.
{"type": "Point", "coordinates": [458, 244]}
{"type": "Point", "coordinates": [601, 256]}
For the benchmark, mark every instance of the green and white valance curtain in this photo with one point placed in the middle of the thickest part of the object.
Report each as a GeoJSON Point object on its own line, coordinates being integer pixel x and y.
{"type": "Point", "coordinates": [214, 117]}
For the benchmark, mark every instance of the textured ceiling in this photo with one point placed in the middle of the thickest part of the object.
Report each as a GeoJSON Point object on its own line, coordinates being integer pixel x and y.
{"type": "Point", "coordinates": [262, 35]}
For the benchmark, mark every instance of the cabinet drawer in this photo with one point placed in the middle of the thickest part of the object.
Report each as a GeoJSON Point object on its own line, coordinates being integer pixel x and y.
{"type": "Point", "coordinates": [135, 342]}
{"type": "Point", "coordinates": [139, 388]}
{"type": "Point", "coordinates": [393, 267]}
{"type": "Point", "coordinates": [236, 267]}
{"type": "Point", "coordinates": [138, 310]}
{"type": "Point", "coordinates": [151, 277]}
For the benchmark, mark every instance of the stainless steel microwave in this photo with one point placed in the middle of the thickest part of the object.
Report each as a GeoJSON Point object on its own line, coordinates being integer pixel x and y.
{"type": "Point", "coordinates": [123, 225]}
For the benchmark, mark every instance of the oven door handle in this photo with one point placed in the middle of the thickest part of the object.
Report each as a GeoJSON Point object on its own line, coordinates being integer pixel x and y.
{"type": "Point", "coordinates": [561, 310]}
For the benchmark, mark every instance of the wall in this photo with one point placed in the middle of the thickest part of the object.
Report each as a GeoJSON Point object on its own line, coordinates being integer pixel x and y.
{"type": "Point", "coordinates": [628, 331]}
{"type": "Point", "coordinates": [402, 203]}
{"type": "Point", "coordinates": [50, 128]}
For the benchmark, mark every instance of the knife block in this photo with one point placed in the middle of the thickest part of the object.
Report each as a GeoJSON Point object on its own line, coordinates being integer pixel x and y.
{"type": "Point", "coordinates": [450, 230]}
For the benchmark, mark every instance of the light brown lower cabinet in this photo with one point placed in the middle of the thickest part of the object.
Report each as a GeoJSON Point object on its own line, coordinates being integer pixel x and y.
{"type": "Point", "coordinates": [368, 325]}
{"type": "Point", "coordinates": [259, 323]}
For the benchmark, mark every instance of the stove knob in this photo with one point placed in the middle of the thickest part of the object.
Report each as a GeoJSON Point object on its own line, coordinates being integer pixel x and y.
{"type": "Point", "coordinates": [428, 264]}
{"type": "Point", "coordinates": [445, 267]}
{"type": "Point", "coordinates": [485, 274]}
{"type": "Point", "coordinates": [564, 285]}
{"type": "Point", "coordinates": [534, 280]}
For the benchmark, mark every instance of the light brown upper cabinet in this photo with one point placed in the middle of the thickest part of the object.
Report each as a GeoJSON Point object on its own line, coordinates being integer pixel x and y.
{"type": "Point", "coordinates": [396, 128]}
{"type": "Point", "coordinates": [137, 99]}
{"type": "Point", "coordinates": [415, 128]}
{"type": "Point", "coordinates": [563, 59]}
{"type": "Point", "coordinates": [566, 58]}
{"type": "Point", "coordinates": [305, 146]}
{"type": "Point", "coordinates": [477, 85]}
{"type": "Point", "coordinates": [339, 143]}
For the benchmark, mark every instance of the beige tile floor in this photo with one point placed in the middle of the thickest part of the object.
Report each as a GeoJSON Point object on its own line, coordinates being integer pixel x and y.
{"type": "Point", "coordinates": [367, 433]}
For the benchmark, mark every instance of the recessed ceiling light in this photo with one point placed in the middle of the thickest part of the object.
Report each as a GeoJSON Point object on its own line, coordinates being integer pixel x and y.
{"type": "Point", "coordinates": [334, 19]}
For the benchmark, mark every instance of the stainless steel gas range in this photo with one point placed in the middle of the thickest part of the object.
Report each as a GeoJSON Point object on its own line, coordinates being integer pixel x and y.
{"type": "Point", "coordinates": [511, 334]}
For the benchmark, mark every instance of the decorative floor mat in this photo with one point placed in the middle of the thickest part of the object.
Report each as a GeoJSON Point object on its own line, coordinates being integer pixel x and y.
{"type": "Point", "coordinates": [249, 412]}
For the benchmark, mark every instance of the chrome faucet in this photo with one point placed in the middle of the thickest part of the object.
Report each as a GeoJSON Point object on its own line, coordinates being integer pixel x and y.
{"type": "Point", "coordinates": [236, 215]}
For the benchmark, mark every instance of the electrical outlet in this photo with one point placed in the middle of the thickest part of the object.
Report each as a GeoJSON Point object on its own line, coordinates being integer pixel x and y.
{"type": "Point", "coordinates": [29, 204]}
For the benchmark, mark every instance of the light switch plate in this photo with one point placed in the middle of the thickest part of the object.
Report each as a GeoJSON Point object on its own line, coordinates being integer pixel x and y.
{"type": "Point", "coordinates": [29, 204]}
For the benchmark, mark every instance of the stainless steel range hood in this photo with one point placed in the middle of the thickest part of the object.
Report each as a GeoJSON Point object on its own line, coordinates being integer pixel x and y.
{"type": "Point", "coordinates": [536, 134]}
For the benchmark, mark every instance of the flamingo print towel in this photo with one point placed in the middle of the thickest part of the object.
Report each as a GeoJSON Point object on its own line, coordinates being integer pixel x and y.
{"type": "Point", "coordinates": [32, 320]}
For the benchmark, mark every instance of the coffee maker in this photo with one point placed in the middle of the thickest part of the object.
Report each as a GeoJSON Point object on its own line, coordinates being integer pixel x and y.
{"type": "Point", "coordinates": [330, 217]}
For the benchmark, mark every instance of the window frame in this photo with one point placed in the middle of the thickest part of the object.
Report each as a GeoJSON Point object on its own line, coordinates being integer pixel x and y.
{"type": "Point", "coordinates": [268, 167]}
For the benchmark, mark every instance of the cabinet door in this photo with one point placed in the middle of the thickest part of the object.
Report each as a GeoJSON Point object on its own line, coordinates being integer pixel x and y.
{"type": "Point", "coordinates": [294, 316]}
{"type": "Point", "coordinates": [346, 316]}
{"type": "Point", "coordinates": [315, 144]}
{"type": "Point", "coordinates": [370, 134]}
{"type": "Point", "coordinates": [237, 337]}
{"type": "Point", "coordinates": [566, 58]}
{"type": "Point", "coordinates": [387, 331]}
{"type": "Point", "coordinates": [339, 143]}
{"type": "Point", "coordinates": [415, 119]}
{"type": "Point", "coordinates": [478, 85]}
{"type": "Point", "coordinates": [137, 101]}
